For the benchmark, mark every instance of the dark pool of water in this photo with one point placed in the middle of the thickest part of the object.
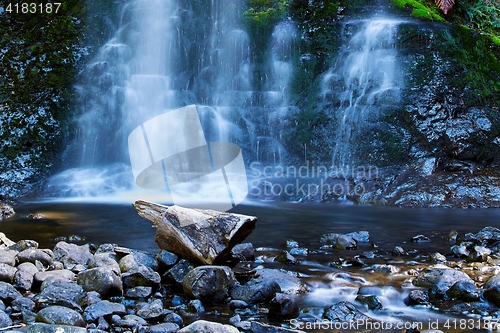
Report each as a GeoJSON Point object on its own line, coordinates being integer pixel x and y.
{"type": "Point", "coordinates": [119, 223]}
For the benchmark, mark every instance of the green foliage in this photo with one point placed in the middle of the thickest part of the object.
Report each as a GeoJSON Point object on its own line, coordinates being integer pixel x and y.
{"type": "Point", "coordinates": [424, 9]}
{"type": "Point", "coordinates": [481, 14]}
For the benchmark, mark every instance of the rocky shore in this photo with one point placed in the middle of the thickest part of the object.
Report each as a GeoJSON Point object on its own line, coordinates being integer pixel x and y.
{"type": "Point", "coordinates": [107, 288]}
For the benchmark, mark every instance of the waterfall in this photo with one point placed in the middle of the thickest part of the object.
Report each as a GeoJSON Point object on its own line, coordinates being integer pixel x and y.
{"type": "Point", "coordinates": [364, 83]}
{"type": "Point", "coordinates": [163, 55]}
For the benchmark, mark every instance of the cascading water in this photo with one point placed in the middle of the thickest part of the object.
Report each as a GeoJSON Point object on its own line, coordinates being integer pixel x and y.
{"type": "Point", "coordinates": [165, 55]}
{"type": "Point", "coordinates": [365, 84]}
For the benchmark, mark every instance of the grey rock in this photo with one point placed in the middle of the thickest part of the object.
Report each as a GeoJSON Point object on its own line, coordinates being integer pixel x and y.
{"type": "Point", "coordinates": [385, 268]}
{"type": "Point", "coordinates": [360, 236]}
{"type": "Point", "coordinates": [420, 239]}
{"type": "Point", "coordinates": [283, 307]}
{"type": "Point", "coordinates": [45, 256]}
{"type": "Point", "coordinates": [49, 328]}
{"type": "Point", "coordinates": [398, 251]}
{"type": "Point", "coordinates": [8, 256]}
{"type": "Point", "coordinates": [177, 273]}
{"type": "Point", "coordinates": [286, 258]}
{"type": "Point", "coordinates": [343, 242]}
{"type": "Point", "coordinates": [174, 318]}
{"type": "Point", "coordinates": [299, 251]}
{"type": "Point", "coordinates": [480, 253]}
{"type": "Point", "coordinates": [209, 283]}
{"type": "Point", "coordinates": [8, 293]}
{"type": "Point", "coordinates": [344, 312]}
{"type": "Point", "coordinates": [290, 244]}
{"type": "Point", "coordinates": [238, 304]}
{"type": "Point", "coordinates": [287, 281]}
{"type": "Point", "coordinates": [25, 244]}
{"type": "Point", "coordinates": [129, 321]}
{"type": "Point", "coordinates": [140, 275]}
{"type": "Point", "coordinates": [101, 309]}
{"type": "Point", "coordinates": [492, 290]}
{"type": "Point", "coordinates": [237, 322]}
{"type": "Point", "coordinates": [43, 279]}
{"type": "Point", "coordinates": [460, 251]}
{"type": "Point", "coordinates": [7, 273]}
{"type": "Point", "coordinates": [243, 252]}
{"type": "Point", "coordinates": [60, 315]}
{"type": "Point", "coordinates": [255, 291]}
{"type": "Point", "coordinates": [23, 278]}
{"type": "Point", "coordinates": [23, 303]}
{"type": "Point", "coordinates": [439, 279]}
{"type": "Point", "coordinates": [418, 297]}
{"type": "Point", "coordinates": [71, 254]}
{"type": "Point", "coordinates": [105, 281]}
{"type": "Point", "coordinates": [105, 260]}
{"type": "Point", "coordinates": [67, 294]}
{"type": "Point", "coordinates": [196, 306]}
{"type": "Point", "coordinates": [437, 258]}
{"type": "Point", "coordinates": [464, 290]}
{"type": "Point", "coordinates": [371, 301]}
{"type": "Point", "coordinates": [166, 259]}
{"type": "Point", "coordinates": [164, 328]}
{"type": "Point", "coordinates": [257, 327]}
{"type": "Point", "coordinates": [208, 327]}
{"type": "Point", "coordinates": [151, 310]}
{"type": "Point", "coordinates": [138, 292]}
{"type": "Point", "coordinates": [5, 320]}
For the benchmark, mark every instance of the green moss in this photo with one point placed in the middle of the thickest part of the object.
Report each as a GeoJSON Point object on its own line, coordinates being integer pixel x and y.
{"type": "Point", "coordinates": [421, 9]}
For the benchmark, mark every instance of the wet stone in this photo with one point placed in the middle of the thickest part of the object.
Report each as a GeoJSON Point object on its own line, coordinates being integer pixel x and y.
{"type": "Point", "coordinates": [283, 307]}
{"type": "Point", "coordinates": [5, 320]}
{"type": "Point", "coordinates": [437, 257]}
{"type": "Point", "coordinates": [7, 272]}
{"type": "Point", "coordinates": [177, 273]}
{"type": "Point", "coordinates": [196, 306]}
{"type": "Point", "coordinates": [23, 303]}
{"type": "Point", "coordinates": [286, 258]}
{"type": "Point", "coordinates": [174, 318]}
{"type": "Point", "coordinates": [8, 293]}
{"type": "Point", "coordinates": [60, 315]}
{"type": "Point", "coordinates": [460, 251]}
{"type": "Point", "coordinates": [8, 256]}
{"type": "Point", "coordinates": [101, 309]}
{"type": "Point", "coordinates": [50, 328]}
{"type": "Point", "coordinates": [67, 294]}
{"type": "Point", "coordinates": [207, 326]}
{"type": "Point", "coordinates": [243, 252]}
{"type": "Point", "coordinates": [344, 312]}
{"type": "Point", "coordinates": [150, 310]}
{"type": "Point", "coordinates": [105, 281]}
{"type": "Point", "coordinates": [398, 251]}
{"type": "Point", "coordinates": [166, 259]}
{"type": "Point", "coordinates": [420, 239]}
{"type": "Point", "coordinates": [418, 297]}
{"type": "Point", "coordinates": [164, 328]}
{"type": "Point", "coordinates": [141, 275]}
{"type": "Point", "coordinates": [299, 251]}
{"type": "Point", "coordinates": [464, 290]}
{"type": "Point", "coordinates": [371, 301]}
{"type": "Point", "coordinates": [138, 292]}
{"type": "Point", "coordinates": [45, 256]}
{"type": "Point", "coordinates": [255, 292]}
{"type": "Point", "coordinates": [42, 279]}
{"type": "Point", "coordinates": [71, 254]}
{"type": "Point", "coordinates": [290, 244]}
{"type": "Point", "coordinates": [209, 283]}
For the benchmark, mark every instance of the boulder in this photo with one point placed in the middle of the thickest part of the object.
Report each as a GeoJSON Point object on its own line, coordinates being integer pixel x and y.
{"type": "Point", "coordinates": [8, 256]}
{"type": "Point", "coordinates": [48, 277]}
{"type": "Point", "coordinates": [283, 307]}
{"type": "Point", "coordinates": [60, 315]}
{"type": "Point", "coordinates": [23, 278]}
{"type": "Point", "coordinates": [5, 320]}
{"type": "Point", "coordinates": [164, 328]}
{"type": "Point", "coordinates": [439, 279]}
{"type": "Point", "coordinates": [289, 283]}
{"type": "Point", "coordinates": [255, 291]}
{"type": "Point", "coordinates": [140, 275]}
{"type": "Point", "coordinates": [71, 254]}
{"type": "Point", "coordinates": [8, 293]}
{"type": "Point", "coordinates": [208, 327]}
{"type": "Point", "coordinates": [209, 283]}
{"type": "Point", "coordinates": [68, 294]}
{"type": "Point", "coordinates": [7, 272]}
{"type": "Point", "coordinates": [201, 236]}
{"type": "Point", "coordinates": [103, 308]}
{"type": "Point", "coordinates": [106, 281]}
{"type": "Point", "coordinates": [166, 259]}
{"type": "Point", "coordinates": [45, 256]}
{"type": "Point", "coordinates": [492, 290]}
{"type": "Point", "coordinates": [344, 312]}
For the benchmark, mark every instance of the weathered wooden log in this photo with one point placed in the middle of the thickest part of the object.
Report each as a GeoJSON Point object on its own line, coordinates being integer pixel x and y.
{"type": "Point", "coordinates": [201, 236]}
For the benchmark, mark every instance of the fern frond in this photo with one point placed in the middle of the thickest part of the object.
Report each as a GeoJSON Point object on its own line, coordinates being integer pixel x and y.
{"type": "Point", "coordinates": [445, 5]}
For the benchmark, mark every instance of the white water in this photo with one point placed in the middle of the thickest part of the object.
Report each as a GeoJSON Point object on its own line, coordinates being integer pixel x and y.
{"type": "Point", "coordinates": [364, 79]}
{"type": "Point", "coordinates": [167, 54]}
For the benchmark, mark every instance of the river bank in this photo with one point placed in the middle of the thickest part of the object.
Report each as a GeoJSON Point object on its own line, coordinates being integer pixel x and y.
{"type": "Point", "coordinates": [343, 272]}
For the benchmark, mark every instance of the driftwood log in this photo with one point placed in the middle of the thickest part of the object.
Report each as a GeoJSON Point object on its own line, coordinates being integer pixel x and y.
{"type": "Point", "coordinates": [201, 236]}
